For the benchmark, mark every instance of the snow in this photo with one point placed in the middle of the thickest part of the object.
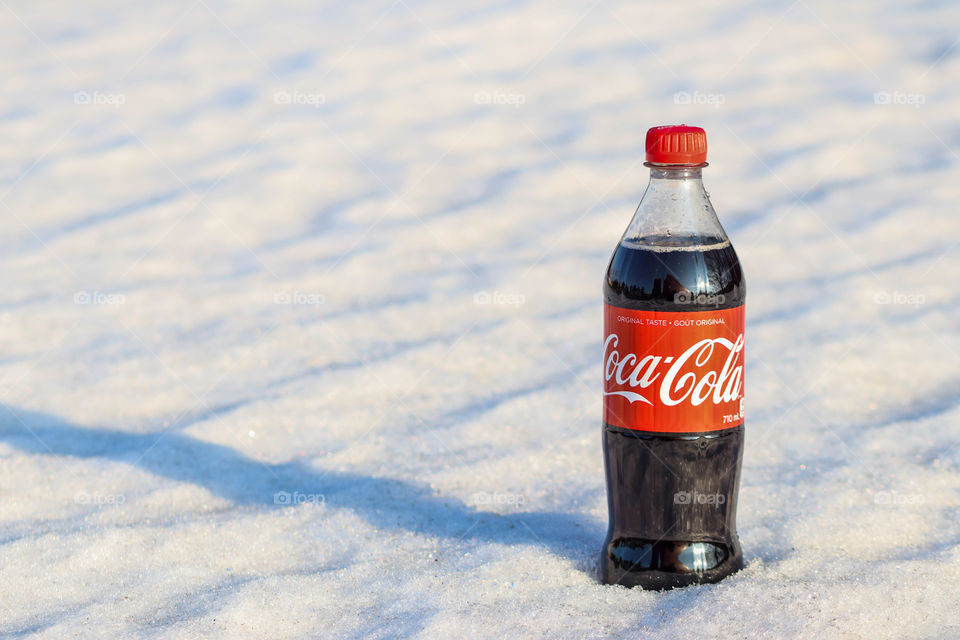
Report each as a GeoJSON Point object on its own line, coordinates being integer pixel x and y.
{"type": "Point", "coordinates": [300, 331]}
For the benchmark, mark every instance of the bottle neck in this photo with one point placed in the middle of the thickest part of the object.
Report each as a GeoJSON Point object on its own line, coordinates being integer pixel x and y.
{"type": "Point", "coordinates": [675, 209]}
{"type": "Point", "coordinates": [681, 182]}
{"type": "Point", "coordinates": [675, 172]}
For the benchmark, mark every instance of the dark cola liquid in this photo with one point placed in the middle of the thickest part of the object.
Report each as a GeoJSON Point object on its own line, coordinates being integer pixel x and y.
{"type": "Point", "coordinates": [654, 542]}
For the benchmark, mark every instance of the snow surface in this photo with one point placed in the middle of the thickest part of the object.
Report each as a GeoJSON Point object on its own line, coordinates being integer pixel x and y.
{"type": "Point", "coordinates": [353, 251]}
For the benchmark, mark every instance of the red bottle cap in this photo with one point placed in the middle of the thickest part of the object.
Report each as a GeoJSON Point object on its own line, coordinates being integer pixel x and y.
{"type": "Point", "coordinates": [677, 144]}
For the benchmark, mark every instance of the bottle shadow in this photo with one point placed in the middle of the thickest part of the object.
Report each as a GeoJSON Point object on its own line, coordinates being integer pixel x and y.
{"type": "Point", "coordinates": [386, 503]}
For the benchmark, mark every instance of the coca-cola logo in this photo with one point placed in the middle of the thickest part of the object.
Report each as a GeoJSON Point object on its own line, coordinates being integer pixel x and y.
{"type": "Point", "coordinates": [691, 377]}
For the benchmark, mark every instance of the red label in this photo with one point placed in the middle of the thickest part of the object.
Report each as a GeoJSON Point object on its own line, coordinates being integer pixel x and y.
{"type": "Point", "coordinates": [673, 371]}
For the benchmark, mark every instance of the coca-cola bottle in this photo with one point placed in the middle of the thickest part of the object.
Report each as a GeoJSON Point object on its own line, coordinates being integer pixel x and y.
{"type": "Point", "coordinates": [673, 380]}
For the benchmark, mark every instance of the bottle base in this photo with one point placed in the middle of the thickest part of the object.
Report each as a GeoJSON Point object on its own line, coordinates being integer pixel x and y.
{"type": "Point", "coordinates": [667, 564]}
